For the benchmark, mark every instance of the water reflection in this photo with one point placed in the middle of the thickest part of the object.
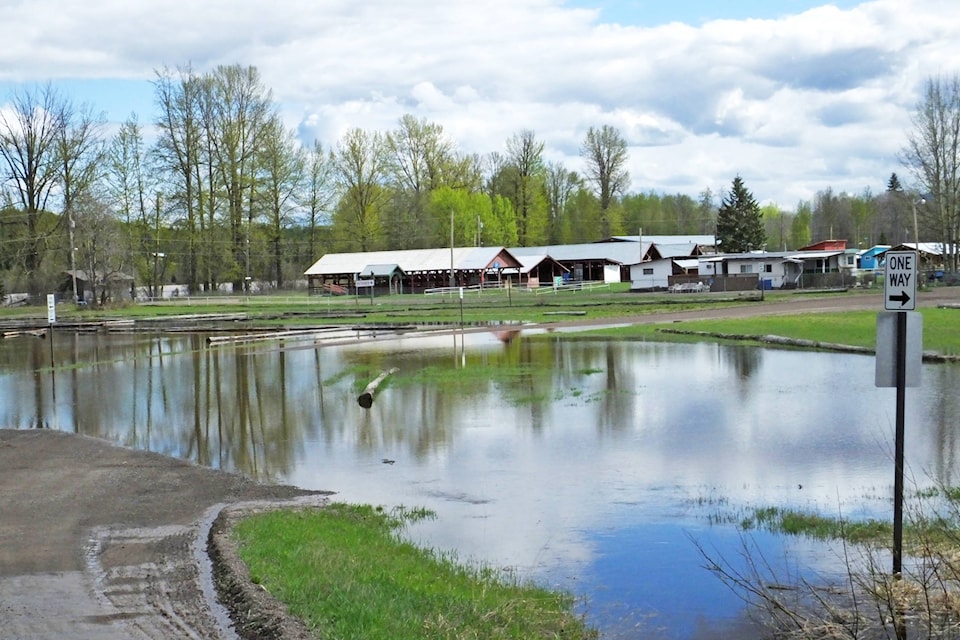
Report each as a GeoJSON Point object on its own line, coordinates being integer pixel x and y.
{"type": "Point", "coordinates": [587, 464]}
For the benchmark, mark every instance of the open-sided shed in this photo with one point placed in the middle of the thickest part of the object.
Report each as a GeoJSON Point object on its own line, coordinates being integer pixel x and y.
{"type": "Point", "coordinates": [412, 270]}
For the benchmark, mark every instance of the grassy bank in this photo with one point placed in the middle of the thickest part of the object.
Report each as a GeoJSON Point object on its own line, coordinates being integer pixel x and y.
{"type": "Point", "coordinates": [492, 305]}
{"type": "Point", "coordinates": [347, 573]}
{"type": "Point", "coordinates": [856, 328]}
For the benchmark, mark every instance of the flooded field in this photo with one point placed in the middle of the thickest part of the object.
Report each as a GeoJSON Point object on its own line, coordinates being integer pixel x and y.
{"type": "Point", "coordinates": [600, 467]}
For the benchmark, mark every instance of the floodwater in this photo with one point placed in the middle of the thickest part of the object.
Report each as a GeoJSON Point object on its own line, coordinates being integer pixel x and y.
{"type": "Point", "coordinates": [600, 467]}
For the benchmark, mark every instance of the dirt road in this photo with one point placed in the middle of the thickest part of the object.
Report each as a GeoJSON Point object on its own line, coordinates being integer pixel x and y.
{"type": "Point", "coordinates": [99, 542]}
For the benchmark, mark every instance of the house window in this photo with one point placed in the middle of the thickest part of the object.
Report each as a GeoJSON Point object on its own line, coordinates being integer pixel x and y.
{"type": "Point", "coordinates": [746, 268]}
{"type": "Point", "coordinates": [768, 268]}
{"type": "Point", "coordinates": [648, 271]}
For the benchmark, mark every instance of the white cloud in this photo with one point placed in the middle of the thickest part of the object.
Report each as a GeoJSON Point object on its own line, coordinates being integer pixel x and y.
{"type": "Point", "coordinates": [794, 104]}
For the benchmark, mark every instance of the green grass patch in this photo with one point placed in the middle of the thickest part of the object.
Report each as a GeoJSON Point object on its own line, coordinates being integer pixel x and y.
{"type": "Point", "coordinates": [856, 328]}
{"type": "Point", "coordinates": [919, 533]}
{"type": "Point", "coordinates": [346, 571]}
{"type": "Point", "coordinates": [805, 523]}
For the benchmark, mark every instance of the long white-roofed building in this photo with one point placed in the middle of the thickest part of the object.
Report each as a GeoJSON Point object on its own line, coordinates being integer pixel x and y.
{"type": "Point", "coordinates": [410, 270]}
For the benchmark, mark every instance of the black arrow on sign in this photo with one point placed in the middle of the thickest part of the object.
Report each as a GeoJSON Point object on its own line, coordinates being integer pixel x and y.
{"type": "Point", "coordinates": [902, 298]}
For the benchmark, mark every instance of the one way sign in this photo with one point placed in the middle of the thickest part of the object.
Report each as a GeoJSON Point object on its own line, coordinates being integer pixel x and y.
{"type": "Point", "coordinates": [900, 281]}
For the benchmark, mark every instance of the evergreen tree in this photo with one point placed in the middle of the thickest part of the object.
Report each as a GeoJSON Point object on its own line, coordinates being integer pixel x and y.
{"type": "Point", "coordinates": [739, 221]}
{"type": "Point", "coordinates": [893, 184]}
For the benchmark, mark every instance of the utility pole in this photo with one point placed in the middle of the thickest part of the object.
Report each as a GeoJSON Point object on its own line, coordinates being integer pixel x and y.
{"type": "Point", "coordinates": [453, 282]}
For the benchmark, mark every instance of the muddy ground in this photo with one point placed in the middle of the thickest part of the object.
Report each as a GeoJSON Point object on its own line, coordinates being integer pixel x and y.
{"type": "Point", "coordinates": [99, 542]}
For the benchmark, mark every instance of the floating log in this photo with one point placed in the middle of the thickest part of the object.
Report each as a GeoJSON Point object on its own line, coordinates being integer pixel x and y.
{"type": "Point", "coordinates": [366, 398]}
{"type": "Point", "coordinates": [36, 333]}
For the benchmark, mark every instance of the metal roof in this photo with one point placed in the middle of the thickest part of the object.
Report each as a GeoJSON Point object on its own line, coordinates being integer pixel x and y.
{"type": "Point", "coordinates": [530, 262]}
{"type": "Point", "coordinates": [382, 270]}
{"type": "Point", "coordinates": [705, 240]}
{"type": "Point", "coordinates": [684, 250]}
{"type": "Point", "coordinates": [414, 260]}
{"type": "Point", "coordinates": [614, 252]}
{"type": "Point", "coordinates": [773, 255]}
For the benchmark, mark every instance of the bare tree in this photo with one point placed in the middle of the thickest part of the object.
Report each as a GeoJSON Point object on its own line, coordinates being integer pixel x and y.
{"type": "Point", "coordinates": [240, 109]}
{"type": "Point", "coordinates": [131, 188]}
{"type": "Point", "coordinates": [80, 151]}
{"type": "Point", "coordinates": [319, 194]}
{"type": "Point", "coordinates": [30, 135]}
{"type": "Point", "coordinates": [179, 149]}
{"type": "Point", "coordinates": [284, 170]}
{"type": "Point", "coordinates": [605, 152]}
{"type": "Point", "coordinates": [99, 248]}
{"type": "Point", "coordinates": [522, 180]}
{"type": "Point", "coordinates": [561, 184]}
{"type": "Point", "coordinates": [932, 153]}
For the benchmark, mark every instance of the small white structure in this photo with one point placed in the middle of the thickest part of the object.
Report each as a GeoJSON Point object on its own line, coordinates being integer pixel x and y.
{"type": "Point", "coordinates": [652, 274]}
{"type": "Point", "coordinates": [774, 270]}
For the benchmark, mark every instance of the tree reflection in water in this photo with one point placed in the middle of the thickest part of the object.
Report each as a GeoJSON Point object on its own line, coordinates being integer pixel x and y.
{"type": "Point", "coordinates": [545, 454]}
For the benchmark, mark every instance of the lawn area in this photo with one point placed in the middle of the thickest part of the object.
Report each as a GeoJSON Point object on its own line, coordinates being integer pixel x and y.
{"type": "Point", "coordinates": [346, 572]}
{"type": "Point", "coordinates": [856, 328]}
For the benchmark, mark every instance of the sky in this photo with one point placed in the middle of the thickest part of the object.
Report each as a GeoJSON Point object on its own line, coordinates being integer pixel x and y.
{"type": "Point", "coordinates": [794, 96]}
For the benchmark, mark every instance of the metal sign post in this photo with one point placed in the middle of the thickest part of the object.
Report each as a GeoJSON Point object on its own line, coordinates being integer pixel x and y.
{"type": "Point", "coordinates": [900, 297]}
{"type": "Point", "coordinates": [51, 320]}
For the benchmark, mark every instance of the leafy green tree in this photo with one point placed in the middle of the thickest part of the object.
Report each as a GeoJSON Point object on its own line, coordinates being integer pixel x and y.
{"type": "Point", "coordinates": [774, 223]}
{"type": "Point", "coordinates": [584, 216]}
{"type": "Point", "coordinates": [420, 159]}
{"type": "Point", "coordinates": [862, 213]}
{"type": "Point", "coordinates": [800, 226]}
{"type": "Point", "coordinates": [522, 181]}
{"type": "Point", "coordinates": [683, 211]}
{"type": "Point", "coordinates": [360, 164]}
{"type": "Point", "coordinates": [478, 219]}
{"type": "Point", "coordinates": [739, 221]}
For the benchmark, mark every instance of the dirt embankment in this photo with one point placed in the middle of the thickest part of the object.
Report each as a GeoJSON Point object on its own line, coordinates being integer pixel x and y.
{"type": "Point", "coordinates": [99, 542]}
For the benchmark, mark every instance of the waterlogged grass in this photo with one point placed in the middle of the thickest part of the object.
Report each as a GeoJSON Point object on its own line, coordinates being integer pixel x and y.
{"type": "Point", "coordinates": [856, 328]}
{"type": "Point", "coordinates": [490, 306]}
{"type": "Point", "coordinates": [813, 525]}
{"type": "Point", "coordinates": [346, 571]}
{"type": "Point", "coordinates": [520, 383]}
{"type": "Point", "coordinates": [920, 533]}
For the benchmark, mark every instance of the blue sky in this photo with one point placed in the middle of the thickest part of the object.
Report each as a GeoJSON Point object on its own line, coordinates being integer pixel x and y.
{"type": "Point", "coordinates": [796, 96]}
{"type": "Point", "coordinates": [651, 13]}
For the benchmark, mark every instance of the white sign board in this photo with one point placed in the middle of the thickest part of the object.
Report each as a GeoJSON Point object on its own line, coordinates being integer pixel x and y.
{"type": "Point", "coordinates": [51, 308]}
{"type": "Point", "coordinates": [900, 281]}
{"type": "Point", "coordinates": [364, 283]}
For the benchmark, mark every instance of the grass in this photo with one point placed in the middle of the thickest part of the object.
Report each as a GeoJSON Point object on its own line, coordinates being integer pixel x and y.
{"type": "Point", "coordinates": [856, 328]}
{"type": "Point", "coordinates": [346, 571]}
{"type": "Point", "coordinates": [920, 533]}
{"type": "Point", "coordinates": [491, 305]}
{"type": "Point", "coordinates": [813, 525]}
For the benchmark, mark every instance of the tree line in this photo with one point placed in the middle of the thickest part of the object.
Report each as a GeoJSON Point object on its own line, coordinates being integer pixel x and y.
{"type": "Point", "coordinates": [220, 191]}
